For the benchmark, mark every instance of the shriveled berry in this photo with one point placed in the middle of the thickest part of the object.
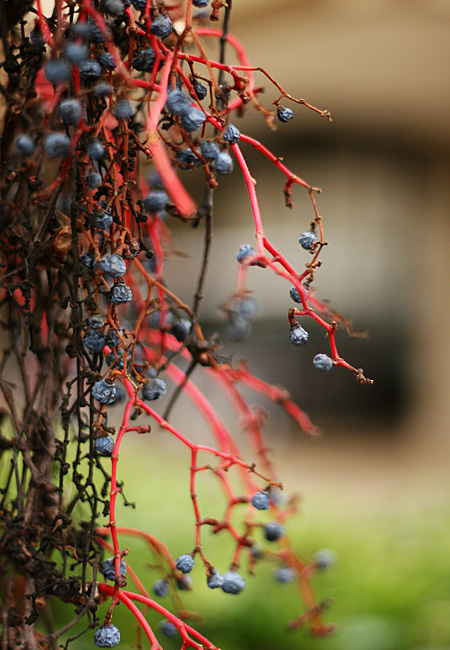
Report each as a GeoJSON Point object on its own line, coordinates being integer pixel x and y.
{"type": "Point", "coordinates": [161, 26]}
{"type": "Point", "coordinates": [103, 220]}
{"type": "Point", "coordinates": [185, 583]}
{"type": "Point", "coordinates": [113, 265]}
{"type": "Point", "coordinates": [193, 120]}
{"type": "Point", "coordinates": [76, 53]}
{"type": "Point", "coordinates": [177, 102]}
{"type": "Point", "coordinates": [57, 145]}
{"type": "Point", "coordinates": [209, 150]}
{"type": "Point", "coordinates": [156, 200]}
{"type": "Point", "coordinates": [200, 90]}
{"type": "Point", "coordinates": [144, 60]}
{"type": "Point", "coordinates": [24, 144]}
{"type": "Point", "coordinates": [107, 636]}
{"type": "Point", "coordinates": [96, 150]}
{"type": "Point", "coordinates": [96, 321]}
{"type": "Point", "coordinates": [168, 629]}
{"type": "Point", "coordinates": [107, 61]}
{"type": "Point", "coordinates": [154, 389]}
{"type": "Point", "coordinates": [245, 251]}
{"type": "Point", "coordinates": [71, 111]}
{"type": "Point", "coordinates": [298, 336]}
{"type": "Point", "coordinates": [102, 90]}
{"type": "Point", "coordinates": [224, 163]}
{"type": "Point", "coordinates": [284, 574]}
{"type": "Point", "coordinates": [120, 293]}
{"type": "Point", "coordinates": [273, 531]}
{"type": "Point", "coordinates": [325, 558]}
{"type": "Point", "coordinates": [322, 362]}
{"type": "Point", "coordinates": [113, 339]}
{"type": "Point", "coordinates": [261, 500]}
{"type": "Point", "coordinates": [293, 292]}
{"type": "Point", "coordinates": [90, 71]}
{"type": "Point", "coordinates": [181, 329]}
{"type": "Point", "coordinates": [307, 239]}
{"type": "Point", "coordinates": [233, 583]}
{"type": "Point", "coordinates": [57, 71]}
{"type": "Point", "coordinates": [284, 114]}
{"type": "Point", "coordinates": [200, 3]}
{"type": "Point", "coordinates": [231, 134]}
{"type": "Point", "coordinates": [139, 4]}
{"type": "Point", "coordinates": [116, 360]}
{"type": "Point", "coordinates": [187, 157]}
{"type": "Point", "coordinates": [185, 563]}
{"type": "Point", "coordinates": [93, 182]}
{"type": "Point", "coordinates": [107, 567]}
{"type": "Point", "coordinates": [123, 109]}
{"type": "Point", "coordinates": [104, 392]}
{"type": "Point", "coordinates": [215, 580]}
{"type": "Point", "coordinates": [88, 260]}
{"type": "Point", "coordinates": [161, 587]}
{"type": "Point", "coordinates": [105, 446]}
{"type": "Point", "coordinates": [95, 341]}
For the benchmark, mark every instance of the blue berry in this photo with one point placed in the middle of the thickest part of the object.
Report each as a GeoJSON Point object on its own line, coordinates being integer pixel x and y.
{"type": "Point", "coordinates": [90, 71]}
{"type": "Point", "coordinates": [139, 4]}
{"type": "Point", "coordinates": [105, 446]}
{"type": "Point", "coordinates": [96, 150]}
{"type": "Point", "coordinates": [215, 580]}
{"type": "Point", "coordinates": [95, 341]}
{"type": "Point", "coordinates": [107, 567]}
{"type": "Point", "coordinates": [238, 326]}
{"type": "Point", "coordinates": [273, 531]}
{"type": "Point", "coordinates": [261, 500]}
{"type": "Point", "coordinates": [193, 120]}
{"type": "Point", "coordinates": [307, 239]}
{"type": "Point", "coordinates": [181, 329]}
{"type": "Point", "coordinates": [154, 389]}
{"type": "Point", "coordinates": [168, 629]}
{"type": "Point", "coordinates": [187, 157]}
{"type": "Point", "coordinates": [57, 71]}
{"type": "Point", "coordinates": [112, 338]}
{"type": "Point", "coordinates": [161, 587]}
{"type": "Point", "coordinates": [24, 144]}
{"type": "Point", "coordinates": [113, 7]}
{"type": "Point", "coordinates": [120, 294]}
{"type": "Point", "coordinates": [231, 134]}
{"type": "Point", "coordinates": [76, 53]}
{"type": "Point", "coordinates": [185, 563]}
{"type": "Point", "coordinates": [293, 292]}
{"type": "Point", "coordinates": [284, 114]}
{"type": "Point", "coordinates": [154, 319]}
{"type": "Point", "coordinates": [233, 583]}
{"type": "Point", "coordinates": [322, 362]}
{"type": "Point", "coordinates": [224, 163]}
{"type": "Point", "coordinates": [95, 34]}
{"type": "Point", "coordinates": [102, 90]}
{"type": "Point", "coordinates": [245, 251]}
{"type": "Point", "coordinates": [93, 182]}
{"type": "Point", "coordinates": [88, 260]}
{"type": "Point", "coordinates": [104, 392]}
{"type": "Point", "coordinates": [248, 307]}
{"type": "Point", "coordinates": [156, 200]}
{"type": "Point", "coordinates": [284, 574]}
{"type": "Point", "coordinates": [116, 360]}
{"type": "Point", "coordinates": [71, 111]}
{"type": "Point", "coordinates": [36, 37]}
{"type": "Point", "coordinates": [107, 636]}
{"type": "Point", "coordinates": [185, 583]}
{"type": "Point", "coordinates": [209, 149]}
{"type": "Point", "coordinates": [298, 336]}
{"type": "Point", "coordinates": [82, 30]}
{"type": "Point", "coordinates": [107, 61]}
{"type": "Point", "coordinates": [123, 109]}
{"type": "Point", "coordinates": [177, 102]}
{"type": "Point", "coordinates": [325, 558]}
{"type": "Point", "coordinates": [113, 265]}
{"type": "Point", "coordinates": [103, 220]}
{"type": "Point", "coordinates": [200, 90]}
{"type": "Point", "coordinates": [57, 145]}
{"type": "Point", "coordinates": [144, 60]}
{"type": "Point", "coordinates": [256, 551]}
{"type": "Point", "coordinates": [161, 26]}
{"type": "Point", "coordinates": [200, 3]}
{"type": "Point", "coordinates": [96, 321]}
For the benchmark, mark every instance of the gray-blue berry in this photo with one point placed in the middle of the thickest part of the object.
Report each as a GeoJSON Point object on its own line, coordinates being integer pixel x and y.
{"type": "Point", "coordinates": [273, 531]}
{"type": "Point", "coordinates": [123, 109]}
{"type": "Point", "coordinates": [187, 157]}
{"type": "Point", "coordinates": [185, 583]}
{"type": "Point", "coordinates": [107, 636]}
{"type": "Point", "coordinates": [168, 629]}
{"type": "Point", "coordinates": [76, 53]}
{"type": "Point", "coordinates": [144, 60]}
{"type": "Point", "coordinates": [161, 26]}
{"type": "Point", "coordinates": [24, 144]}
{"type": "Point", "coordinates": [105, 446]}
{"type": "Point", "coordinates": [294, 293]}
{"type": "Point", "coordinates": [325, 558]}
{"type": "Point", "coordinates": [245, 251]}
{"type": "Point", "coordinates": [94, 341]}
{"type": "Point", "coordinates": [120, 294]}
{"type": "Point", "coordinates": [88, 260]}
{"type": "Point", "coordinates": [113, 265]}
{"type": "Point", "coordinates": [284, 114]}
{"type": "Point", "coordinates": [90, 71]}
{"type": "Point", "coordinates": [184, 563]}
{"type": "Point", "coordinates": [261, 500]}
{"type": "Point", "coordinates": [200, 3]}
{"type": "Point", "coordinates": [200, 90]}
{"type": "Point", "coordinates": [57, 145]}
{"type": "Point", "coordinates": [177, 102]}
{"type": "Point", "coordinates": [215, 580]}
{"type": "Point", "coordinates": [238, 326]}
{"type": "Point", "coordinates": [107, 61]}
{"type": "Point", "coordinates": [181, 329]}
{"type": "Point", "coordinates": [113, 7]}
{"type": "Point", "coordinates": [154, 389]}
{"type": "Point", "coordinates": [113, 339]}
{"type": "Point", "coordinates": [71, 111]}
{"type": "Point", "coordinates": [193, 120]}
{"type": "Point", "coordinates": [248, 306]}
{"type": "Point", "coordinates": [307, 239]}
{"type": "Point", "coordinates": [96, 321]}
{"type": "Point", "coordinates": [233, 583]}
{"type": "Point", "coordinates": [298, 336]}
{"type": "Point", "coordinates": [57, 71]}
{"type": "Point", "coordinates": [96, 150]}
{"type": "Point", "coordinates": [154, 319]}
{"type": "Point", "coordinates": [231, 134]}
{"type": "Point", "coordinates": [284, 574]}
{"type": "Point", "coordinates": [139, 4]}
{"type": "Point", "coordinates": [161, 587]}
{"type": "Point", "coordinates": [103, 220]}
{"type": "Point", "coordinates": [116, 360]}
{"type": "Point", "coordinates": [224, 163]}
{"type": "Point", "coordinates": [209, 150]}
{"type": "Point", "coordinates": [104, 392]}
{"type": "Point", "coordinates": [102, 90]}
{"type": "Point", "coordinates": [107, 567]}
{"type": "Point", "coordinates": [156, 200]}
{"type": "Point", "coordinates": [322, 362]}
{"type": "Point", "coordinates": [93, 182]}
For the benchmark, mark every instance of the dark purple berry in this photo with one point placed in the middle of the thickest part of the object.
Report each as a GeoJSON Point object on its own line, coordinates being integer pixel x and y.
{"type": "Point", "coordinates": [90, 71]}
{"type": "Point", "coordinates": [112, 338]}
{"type": "Point", "coordinates": [273, 531]}
{"type": "Point", "coordinates": [200, 90]}
{"type": "Point", "coordinates": [185, 563]}
{"type": "Point", "coordinates": [161, 26]}
{"type": "Point", "coordinates": [104, 392]}
{"type": "Point", "coordinates": [284, 114]}
{"type": "Point", "coordinates": [105, 446]}
{"type": "Point", "coordinates": [181, 329]}
{"type": "Point", "coordinates": [233, 583]}
{"type": "Point", "coordinates": [95, 341]}
{"type": "Point", "coordinates": [107, 636]}
{"type": "Point", "coordinates": [231, 134]}
{"type": "Point", "coordinates": [168, 629]}
{"type": "Point", "coordinates": [293, 292]}
{"type": "Point", "coordinates": [24, 144]}
{"type": "Point", "coordinates": [116, 360]}
{"type": "Point", "coordinates": [144, 60]}
{"type": "Point", "coordinates": [71, 111]}
{"type": "Point", "coordinates": [107, 61]}
{"type": "Point", "coordinates": [307, 239]}
{"type": "Point", "coordinates": [113, 7]}
{"type": "Point", "coordinates": [102, 90]}
{"type": "Point", "coordinates": [261, 500]}
{"type": "Point", "coordinates": [322, 362]}
{"type": "Point", "coordinates": [154, 389]}
{"type": "Point", "coordinates": [120, 294]}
